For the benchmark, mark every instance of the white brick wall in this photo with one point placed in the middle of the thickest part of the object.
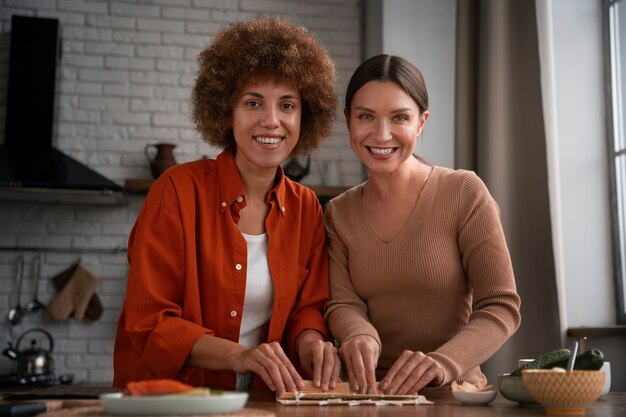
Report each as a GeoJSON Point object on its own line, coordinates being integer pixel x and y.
{"type": "Point", "coordinates": [125, 81]}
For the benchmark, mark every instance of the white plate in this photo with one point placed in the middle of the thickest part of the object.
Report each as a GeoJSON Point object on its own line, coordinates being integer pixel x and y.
{"type": "Point", "coordinates": [164, 405]}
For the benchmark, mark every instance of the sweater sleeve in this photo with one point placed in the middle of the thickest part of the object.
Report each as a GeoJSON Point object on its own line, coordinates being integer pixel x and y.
{"type": "Point", "coordinates": [495, 303]}
{"type": "Point", "coordinates": [347, 311]}
{"type": "Point", "coordinates": [159, 333]}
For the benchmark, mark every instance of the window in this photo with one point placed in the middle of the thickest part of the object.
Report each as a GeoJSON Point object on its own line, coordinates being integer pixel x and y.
{"type": "Point", "coordinates": [614, 14]}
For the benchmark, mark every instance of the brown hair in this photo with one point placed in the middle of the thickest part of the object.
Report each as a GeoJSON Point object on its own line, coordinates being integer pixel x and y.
{"type": "Point", "coordinates": [264, 47]}
{"type": "Point", "coordinates": [389, 68]}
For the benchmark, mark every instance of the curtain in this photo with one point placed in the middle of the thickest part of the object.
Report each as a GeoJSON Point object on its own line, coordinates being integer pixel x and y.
{"type": "Point", "coordinates": [499, 133]}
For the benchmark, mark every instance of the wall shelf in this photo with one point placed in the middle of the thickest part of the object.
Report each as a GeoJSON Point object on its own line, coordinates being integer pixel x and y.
{"type": "Point", "coordinates": [137, 185]}
{"type": "Point", "coordinates": [118, 249]}
{"type": "Point", "coordinates": [597, 331]}
{"type": "Point", "coordinates": [324, 192]}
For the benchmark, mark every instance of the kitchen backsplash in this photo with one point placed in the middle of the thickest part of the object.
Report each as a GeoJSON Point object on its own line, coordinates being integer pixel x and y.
{"type": "Point", "coordinates": [124, 81]}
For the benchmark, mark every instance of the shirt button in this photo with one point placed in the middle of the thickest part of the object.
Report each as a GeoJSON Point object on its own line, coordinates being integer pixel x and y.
{"type": "Point", "coordinates": [224, 204]}
{"type": "Point", "coordinates": [238, 267]}
{"type": "Point", "coordinates": [233, 313]}
{"type": "Point", "coordinates": [239, 199]}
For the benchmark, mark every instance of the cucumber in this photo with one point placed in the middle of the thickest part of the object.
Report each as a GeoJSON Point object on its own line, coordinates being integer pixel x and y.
{"type": "Point", "coordinates": [592, 360]}
{"type": "Point", "coordinates": [544, 359]}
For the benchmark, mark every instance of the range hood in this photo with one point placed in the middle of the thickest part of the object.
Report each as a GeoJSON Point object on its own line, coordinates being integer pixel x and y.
{"type": "Point", "coordinates": [31, 169]}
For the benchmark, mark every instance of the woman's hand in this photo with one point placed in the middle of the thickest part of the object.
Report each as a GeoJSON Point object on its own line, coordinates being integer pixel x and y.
{"type": "Point", "coordinates": [319, 359]}
{"type": "Point", "coordinates": [268, 360]}
{"type": "Point", "coordinates": [360, 357]}
{"type": "Point", "coordinates": [411, 372]}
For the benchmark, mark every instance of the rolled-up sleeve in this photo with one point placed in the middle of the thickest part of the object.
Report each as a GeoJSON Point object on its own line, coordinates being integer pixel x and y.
{"type": "Point", "coordinates": [154, 322]}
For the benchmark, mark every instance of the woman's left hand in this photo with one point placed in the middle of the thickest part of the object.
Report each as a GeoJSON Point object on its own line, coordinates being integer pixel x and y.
{"type": "Point", "coordinates": [319, 359]}
{"type": "Point", "coordinates": [411, 372]}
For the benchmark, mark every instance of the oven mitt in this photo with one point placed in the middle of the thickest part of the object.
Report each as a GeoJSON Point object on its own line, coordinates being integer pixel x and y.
{"type": "Point", "coordinates": [74, 296]}
{"type": "Point", "coordinates": [94, 308]}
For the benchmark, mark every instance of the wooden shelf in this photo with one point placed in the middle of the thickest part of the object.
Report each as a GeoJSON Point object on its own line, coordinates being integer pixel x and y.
{"type": "Point", "coordinates": [142, 185]}
{"type": "Point", "coordinates": [597, 331]}
{"type": "Point", "coordinates": [137, 185]}
{"type": "Point", "coordinates": [327, 190]}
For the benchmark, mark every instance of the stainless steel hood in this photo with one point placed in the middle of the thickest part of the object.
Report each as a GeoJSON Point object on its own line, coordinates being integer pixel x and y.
{"type": "Point", "coordinates": [31, 169]}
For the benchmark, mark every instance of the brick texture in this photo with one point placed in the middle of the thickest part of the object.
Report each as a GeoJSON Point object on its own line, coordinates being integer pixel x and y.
{"type": "Point", "coordinates": [124, 81]}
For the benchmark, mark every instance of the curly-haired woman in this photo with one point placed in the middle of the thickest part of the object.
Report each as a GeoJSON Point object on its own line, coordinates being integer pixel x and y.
{"type": "Point", "coordinates": [228, 264]}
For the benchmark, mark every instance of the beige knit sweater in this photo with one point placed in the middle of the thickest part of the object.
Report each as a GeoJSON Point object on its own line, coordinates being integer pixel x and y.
{"type": "Point", "coordinates": [443, 286]}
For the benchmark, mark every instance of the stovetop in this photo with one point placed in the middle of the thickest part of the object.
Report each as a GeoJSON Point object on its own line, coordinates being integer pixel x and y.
{"type": "Point", "coordinates": [39, 380]}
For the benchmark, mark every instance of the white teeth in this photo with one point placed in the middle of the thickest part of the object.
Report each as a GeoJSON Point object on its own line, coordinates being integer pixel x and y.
{"type": "Point", "coordinates": [381, 151]}
{"type": "Point", "coordinates": [271, 141]}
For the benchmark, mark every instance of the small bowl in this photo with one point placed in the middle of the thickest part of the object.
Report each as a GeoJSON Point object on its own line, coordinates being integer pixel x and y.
{"type": "Point", "coordinates": [564, 392]}
{"type": "Point", "coordinates": [512, 388]}
{"type": "Point", "coordinates": [475, 398]}
{"type": "Point", "coordinates": [606, 368]}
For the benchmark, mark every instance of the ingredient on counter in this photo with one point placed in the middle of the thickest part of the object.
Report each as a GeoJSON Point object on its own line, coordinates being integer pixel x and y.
{"type": "Point", "coordinates": [199, 392]}
{"type": "Point", "coordinates": [469, 387]}
{"type": "Point", "coordinates": [168, 387]}
{"type": "Point", "coordinates": [343, 395]}
{"type": "Point", "coordinates": [592, 360]}
{"type": "Point", "coordinates": [157, 387]}
{"type": "Point", "coordinates": [545, 360]}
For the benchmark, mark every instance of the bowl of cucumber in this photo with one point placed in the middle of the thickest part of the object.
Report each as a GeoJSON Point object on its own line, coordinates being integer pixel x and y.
{"type": "Point", "coordinates": [564, 392]}
{"type": "Point", "coordinates": [512, 387]}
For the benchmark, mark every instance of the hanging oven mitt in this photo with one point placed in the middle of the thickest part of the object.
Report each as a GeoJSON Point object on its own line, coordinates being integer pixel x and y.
{"type": "Point", "coordinates": [94, 308]}
{"type": "Point", "coordinates": [74, 296]}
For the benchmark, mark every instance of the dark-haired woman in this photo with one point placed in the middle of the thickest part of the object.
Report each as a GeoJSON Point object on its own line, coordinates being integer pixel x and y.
{"type": "Point", "coordinates": [422, 288]}
{"type": "Point", "coordinates": [228, 264]}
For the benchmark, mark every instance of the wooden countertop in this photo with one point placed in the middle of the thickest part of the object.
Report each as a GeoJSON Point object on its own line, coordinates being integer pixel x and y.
{"type": "Point", "coordinates": [612, 404]}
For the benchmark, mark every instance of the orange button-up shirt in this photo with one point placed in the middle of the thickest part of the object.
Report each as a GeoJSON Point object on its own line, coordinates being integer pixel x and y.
{"type": "Point", "coordinates": [188, 271]}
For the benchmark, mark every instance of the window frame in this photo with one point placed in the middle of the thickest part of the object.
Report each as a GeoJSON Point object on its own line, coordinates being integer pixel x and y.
{"type": "Point", "coordinates": [617, 217]}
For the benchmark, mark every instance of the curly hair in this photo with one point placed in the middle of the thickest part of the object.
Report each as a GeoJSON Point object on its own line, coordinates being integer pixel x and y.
{"type": "Point", "coordinates": [264, 47]}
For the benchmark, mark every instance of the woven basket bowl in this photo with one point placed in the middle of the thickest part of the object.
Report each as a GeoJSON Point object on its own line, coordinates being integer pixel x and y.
{"type": "Point", "coordinates": [564, 392]}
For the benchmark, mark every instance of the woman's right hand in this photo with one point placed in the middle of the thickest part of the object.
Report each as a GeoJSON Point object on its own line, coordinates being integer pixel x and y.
{"type": "Point", "coordinates": [269, 361]}
{"type": "Point", "coordinates": [360, 358]}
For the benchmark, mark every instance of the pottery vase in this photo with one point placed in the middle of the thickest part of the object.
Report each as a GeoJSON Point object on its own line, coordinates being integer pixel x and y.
{"type": "Point", "coordinates": [160, 160]}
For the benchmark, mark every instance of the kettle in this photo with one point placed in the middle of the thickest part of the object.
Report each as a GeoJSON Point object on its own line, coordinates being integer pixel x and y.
{"type": "Point", "coordinates": [34, 360]}
{"type": "Point", "coordinates": [295, 171]}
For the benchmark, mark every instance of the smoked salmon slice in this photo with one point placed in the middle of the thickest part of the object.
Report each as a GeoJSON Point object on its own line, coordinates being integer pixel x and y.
{"type": "Point", "coordinates": [157, 387]}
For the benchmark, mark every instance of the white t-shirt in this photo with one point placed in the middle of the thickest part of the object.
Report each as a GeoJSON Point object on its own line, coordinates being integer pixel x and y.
{"type": "Point", "coordinates": [259, 299]}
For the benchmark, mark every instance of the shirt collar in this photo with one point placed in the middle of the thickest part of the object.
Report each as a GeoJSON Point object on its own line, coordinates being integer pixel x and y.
{"type": "Point", "coordinates": [277, 193]}
{"type": "Point", "coordinates": [231, 189]}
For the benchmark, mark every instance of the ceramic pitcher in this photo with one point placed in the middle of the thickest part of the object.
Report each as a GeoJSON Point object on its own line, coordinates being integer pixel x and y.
{"type": "Point", "coordinates": [162, 159]}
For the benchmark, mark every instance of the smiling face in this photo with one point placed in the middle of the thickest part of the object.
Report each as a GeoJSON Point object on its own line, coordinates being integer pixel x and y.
{"type": "Point", "coordinates": [384, 123]}
{"type": "Point", "coordinates": [266, 124]}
